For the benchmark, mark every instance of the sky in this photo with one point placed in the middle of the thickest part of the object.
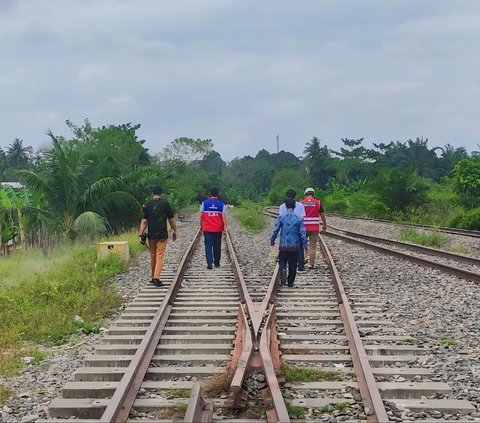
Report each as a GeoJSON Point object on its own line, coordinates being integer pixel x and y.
{"type": "Point", "coordinates": [241, 72]}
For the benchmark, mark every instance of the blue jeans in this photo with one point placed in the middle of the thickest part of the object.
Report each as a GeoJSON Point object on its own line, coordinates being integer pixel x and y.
{"type": "Point", "coordinates": [213, 247]}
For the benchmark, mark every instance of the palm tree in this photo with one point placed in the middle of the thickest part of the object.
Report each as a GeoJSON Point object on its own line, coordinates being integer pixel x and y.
{"type": "Point", "coordinates": [64, 185]}
{"type": "Point", "coordinates": [17, 154]}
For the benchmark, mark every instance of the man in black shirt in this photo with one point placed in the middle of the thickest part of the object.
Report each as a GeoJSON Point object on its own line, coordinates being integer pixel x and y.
{"type": "Point", "coordinates": [155, 215]}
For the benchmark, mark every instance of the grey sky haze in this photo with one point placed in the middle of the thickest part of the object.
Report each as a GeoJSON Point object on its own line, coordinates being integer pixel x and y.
{"type": "Point", "coordinates": [241, 72]}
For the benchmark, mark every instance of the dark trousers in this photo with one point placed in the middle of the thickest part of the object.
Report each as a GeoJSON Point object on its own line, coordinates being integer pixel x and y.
{"type": "Point", "coordinates": [291, 258]}
{"type": "Point", "coordinates": [213, 247]}
{"type": "Point", "coordinates": [301, 259]}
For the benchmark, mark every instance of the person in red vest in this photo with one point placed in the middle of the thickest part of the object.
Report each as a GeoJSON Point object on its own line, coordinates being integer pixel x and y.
{"type": "Point", "coordinates": [213, 223]}
{"type": "Point", "coordinates": [313, 212]}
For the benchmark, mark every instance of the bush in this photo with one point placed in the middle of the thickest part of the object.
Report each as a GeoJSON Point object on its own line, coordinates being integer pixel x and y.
{"type": "Point", "coordinates": [469, 219]}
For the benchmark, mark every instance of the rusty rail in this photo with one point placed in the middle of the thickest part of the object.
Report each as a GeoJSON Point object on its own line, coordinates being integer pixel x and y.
{"type": "Point", "coordinates": [122, 400]}
{"type": "Point", "coordinates": [373, 404]}
{"type": "Point", "coordinates": [465, 274]}
{"type": "Point", "coordinates": [198, 410]}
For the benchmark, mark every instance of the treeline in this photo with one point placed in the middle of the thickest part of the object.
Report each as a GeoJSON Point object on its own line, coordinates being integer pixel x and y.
{"type": "Point", "coordinates": [96, 181]}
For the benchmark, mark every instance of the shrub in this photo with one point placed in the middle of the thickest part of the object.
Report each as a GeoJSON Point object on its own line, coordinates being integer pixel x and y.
{"type": "Point", "coordinates": [469, 219]}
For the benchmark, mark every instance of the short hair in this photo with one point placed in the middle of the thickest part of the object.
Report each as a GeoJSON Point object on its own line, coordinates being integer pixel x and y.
{"type": "Point", "coordinates": [157, 190]}
{"type": "Point", "coordinates": [214, 192]}
{"type": "Point", "coordinates": [291, 193]}
{"type": "Point", "coordinates": [290, 203]}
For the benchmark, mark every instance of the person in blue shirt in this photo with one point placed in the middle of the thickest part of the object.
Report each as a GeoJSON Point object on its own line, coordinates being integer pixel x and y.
{"type": "Point", "coordinates": [292, 239]}
{"type": "Point", "coordinates": [299, 210]}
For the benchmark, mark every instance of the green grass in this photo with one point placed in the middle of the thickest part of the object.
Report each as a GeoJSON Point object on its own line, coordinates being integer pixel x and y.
{"type": "Point", "coordinates": [409, 340]}
{"type": "Point", "coordinates": [177, 393]}
{"type": "Point", "coordinates": [334, 406]}
{"type": "Point", "coordinates": [456, 247]}
{"type": "Point", "coordinates": [43, 295]}
{"type": "Point", "coordinates": [5, 393]}
{"type": "Point", "coordinates": [295, 411]}
{"type": "Point", "coordinates": [179, 408]}
{"type": "Point", "coordinates": [434, 239]}
{"type": "Point", "coordinates": [447, 340]}
{"type": "Point", "coordinates": [251, 218]}
{"type": "Point", "coordinates": [299, 374]}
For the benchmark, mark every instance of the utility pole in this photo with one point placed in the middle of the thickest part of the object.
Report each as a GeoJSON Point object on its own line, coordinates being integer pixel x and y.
{"type": "Point", "coordinates": [278, 142]}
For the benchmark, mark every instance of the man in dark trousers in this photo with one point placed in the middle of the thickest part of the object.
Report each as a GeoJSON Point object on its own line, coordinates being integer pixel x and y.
{"type": "Point", "coordinates": [213, 223]}
{"type": "Point", "coordinates": [292, 239]}
{"type": "Point", "coordinates": [155, 215]}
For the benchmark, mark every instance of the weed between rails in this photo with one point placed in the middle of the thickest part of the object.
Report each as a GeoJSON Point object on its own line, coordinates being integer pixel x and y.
{"type": "Point", "coordinates": [301, 374]}
{"type": "Point", "coordinates": [250, 217]}
{"type": "Point", "coordinates": [434, 239]}
{"type": "Point", "coordinates": [42, 307]}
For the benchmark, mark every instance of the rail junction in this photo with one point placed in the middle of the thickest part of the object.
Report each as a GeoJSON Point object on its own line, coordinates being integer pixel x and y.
{"type": "Point", "coordinates": [176, 350]}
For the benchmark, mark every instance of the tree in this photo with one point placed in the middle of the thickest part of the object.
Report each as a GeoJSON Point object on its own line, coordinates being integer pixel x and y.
{"type": "Point", "coordinates": [18, 156]}
{"type": "Point", "coordinates": [466, 180]}
{"type": "Point", "coordinates": [318, 163]}
{"type": "Point", "coordinates": [83, 206]}
{"type": "Point", "coordinates": [186, 150]}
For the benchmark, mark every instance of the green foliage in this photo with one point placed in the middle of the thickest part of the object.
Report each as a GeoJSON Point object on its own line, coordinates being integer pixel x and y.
{"type": "Point", "coordinates": [250, 215]}
{"type": "Point", "coordinates": [40, 303]}
{"type": "Point", "coordinates": [447, 340]}
{"type": "Point", "coordinates": [334, 406]}
{"type": "Point", "coordinates": [304, 374]}
{"type": "Point", "coordinates": [466, 177]}
{"type": "Point", "coordinates": [177, 393]}
{"type": "Point", "coordinates": [400, 188]}
{"type": "Point", "coordinates": [434, 239]}
{"type": "Point", "coordinates": [294, 411]}
{"type": "Point", "coordinates": [5, 393]}
{"type": "Point", "coordinates": [469, 219]}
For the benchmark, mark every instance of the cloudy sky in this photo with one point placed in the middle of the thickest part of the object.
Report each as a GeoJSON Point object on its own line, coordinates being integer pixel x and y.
{"type": "Point", "coordinates": [240, 72]}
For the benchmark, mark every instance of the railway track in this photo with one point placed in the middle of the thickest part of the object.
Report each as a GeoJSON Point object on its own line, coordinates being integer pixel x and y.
{"type": "Point", "coordinates": [453, 231]}
{"type": "Point", "coordinates": [456, 264]}
{"type": "Point", "coordinates": [204, 326]}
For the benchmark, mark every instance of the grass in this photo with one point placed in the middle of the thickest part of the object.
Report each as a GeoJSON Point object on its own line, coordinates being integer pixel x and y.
{"type": "Point", "coordinates": [456, 247]}
{"type": "Point", "coordinates": [179, 409]}
{"type": "Point", "coordinates": [334, 406]}
{"type": "Point", "coordinates": [433, 239]}
{"type": "Point", "coordinates": [5, 393]}
{"type": "Point", "coordinates": [300, 374]}
{"type": "Point", "coordinates": [43, 295]}
{"type": "Point", "coordinates": [295, 411]}
{"type": "Point", "coordinates": [409, 340]}
{"type": "Point", "coordinates": [447, 340]}
{"type": "Point", "coordinates": [250, 217]}
{"type": "Point", "coordinates": [177, 393]}
{"type": "Point", "coordinates": [217, 384]}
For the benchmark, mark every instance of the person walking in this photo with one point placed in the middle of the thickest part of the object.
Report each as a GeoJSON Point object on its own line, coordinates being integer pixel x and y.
{"type": "Point", "coordinates": [313, 212]}
{"type": "Point", "coordinates": [155, 215]}
{"type": "Point", "coordinates": [292, 239]}
{"type": "Point", "coordinates": [299, 210]}
{"type": "Point", "coordinates": [213, 223]}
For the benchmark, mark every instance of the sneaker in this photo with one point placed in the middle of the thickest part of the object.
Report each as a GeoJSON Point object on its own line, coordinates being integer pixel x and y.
{"type": "Point", "coordinates": [217, 265]}
{"type": "Point", "coordinates": [151, 280]}
{"type": "Point", "coordinates": [283, 277]}
{"type": "Point", "coordinates": [301, 269]}
{"type": "Point", "coordinates": [290, 285]}
{"type": "Point", "coordinates": [157, 282]}
{"type": "Point", "coordinates": [209, 266]}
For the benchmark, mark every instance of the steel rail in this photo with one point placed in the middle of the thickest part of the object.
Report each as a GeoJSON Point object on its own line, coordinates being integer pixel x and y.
{"type": "Point", "coordinates": [373, 404]}
{"type": "Point", "coordinates": [279, 412]}
{"type": "Point", "coordinates": [465, 274]}
{"type": "Point", "coordinates": [412, 247]}
{"type": "Point", "coordinates": [258, 352]}
{"type": "Point", "coordinates": [121, 403]}
{"type": "Point", "coordinates": [453, 231]}
{"type": "Point", "coordinates": [198, 410]}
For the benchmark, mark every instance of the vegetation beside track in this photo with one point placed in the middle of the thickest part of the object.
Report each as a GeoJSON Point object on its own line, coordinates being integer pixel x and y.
{"type": "Point", "coordinates": [296, 374]}
{"type": "Point", "coordinates": [250, 216]}
{"type": "Point", "coordinates": [43, 295]}
{"type": "Point", "coordinates": [434, 239]}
